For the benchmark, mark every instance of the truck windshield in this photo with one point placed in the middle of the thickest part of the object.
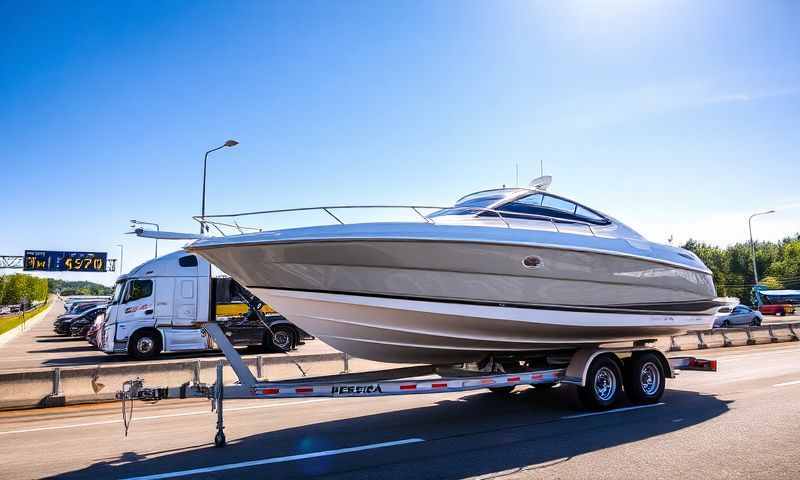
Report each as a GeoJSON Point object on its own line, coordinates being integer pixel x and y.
{"type": "Point", "coordinates": [117, 292]}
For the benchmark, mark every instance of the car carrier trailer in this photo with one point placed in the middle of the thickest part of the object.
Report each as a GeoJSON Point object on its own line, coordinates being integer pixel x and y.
{"type": "Point", "coordinates": [598, 372]}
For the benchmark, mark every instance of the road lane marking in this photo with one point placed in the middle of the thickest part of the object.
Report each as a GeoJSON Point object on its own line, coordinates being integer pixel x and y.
{"type": "Point", "coordinates": [267, 461]}
{"type": "Point", "coordinates": [623, 409]}
{"type": "Point", "coordinates": [786, 384]}
{"type": "Point", "coordinates": [167, 415]}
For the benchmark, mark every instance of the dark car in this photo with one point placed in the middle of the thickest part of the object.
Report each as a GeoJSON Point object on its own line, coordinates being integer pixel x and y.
{"type": "Point", "coordinates": [738, 316]}
{"type": "Point", "coordinates": [63, 325]}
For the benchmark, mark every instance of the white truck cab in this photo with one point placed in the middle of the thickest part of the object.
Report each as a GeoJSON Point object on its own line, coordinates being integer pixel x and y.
{"type": "Point", "coordinates": [159, 306]}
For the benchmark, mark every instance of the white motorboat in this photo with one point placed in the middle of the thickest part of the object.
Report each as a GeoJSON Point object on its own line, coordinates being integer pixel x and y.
{"type": "Point", "coordinates": [503, 272]}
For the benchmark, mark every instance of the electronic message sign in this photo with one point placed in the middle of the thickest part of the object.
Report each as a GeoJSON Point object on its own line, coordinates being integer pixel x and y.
{"type": "Point", "coordinates": [50, 261]}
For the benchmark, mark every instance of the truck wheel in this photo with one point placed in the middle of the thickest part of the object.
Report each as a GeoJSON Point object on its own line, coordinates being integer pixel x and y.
{"type": "Point", "coordinates": [644, 379]}
{"type": "Point", "coordinates": [144, 345]}
{"type": "Point", "coordinates": [283, 339]}
{"type": "Point", "coordinates": [603, 384]}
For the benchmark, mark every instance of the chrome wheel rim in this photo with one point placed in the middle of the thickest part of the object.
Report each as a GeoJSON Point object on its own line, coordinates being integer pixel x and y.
{"type": "Point", "coordinates": [281, 339]}
{"type": "Point", "coordinates": [145, 345]}
{"type": "Point", "coordinates": [605, 384]}
{"type": "Point", "coordinates": [650, 378]}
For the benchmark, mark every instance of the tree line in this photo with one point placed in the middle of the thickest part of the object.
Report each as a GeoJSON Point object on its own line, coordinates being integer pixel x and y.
{"type": "Point", "coordinates": [778, 265]}
{"type": "Point", "coordinates": [18, 287]}
{"type": "Point", "coordinates": [66, 287]}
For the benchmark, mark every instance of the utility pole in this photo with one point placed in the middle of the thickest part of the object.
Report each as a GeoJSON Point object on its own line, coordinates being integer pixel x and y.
{"type": "Point", "coordinates": [752, 245]}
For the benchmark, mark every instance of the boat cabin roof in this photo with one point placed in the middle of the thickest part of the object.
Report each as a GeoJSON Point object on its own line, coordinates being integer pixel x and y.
{"type": "Point", "coordinates": [520, 202]}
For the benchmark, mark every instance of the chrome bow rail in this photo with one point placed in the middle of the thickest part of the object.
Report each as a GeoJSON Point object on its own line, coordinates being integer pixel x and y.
{"type": "Point", "coordinates": [329, 210]}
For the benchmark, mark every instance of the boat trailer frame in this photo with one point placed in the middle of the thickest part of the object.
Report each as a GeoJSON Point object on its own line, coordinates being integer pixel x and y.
{"type": "Point", "coordinates": [396, 381]}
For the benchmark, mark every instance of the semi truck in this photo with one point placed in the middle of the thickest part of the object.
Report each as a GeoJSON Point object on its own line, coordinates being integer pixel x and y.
{"type": "Point", "coordinates": [160, 306]}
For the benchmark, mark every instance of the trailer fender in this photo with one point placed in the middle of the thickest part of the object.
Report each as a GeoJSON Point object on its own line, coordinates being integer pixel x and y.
{"type": "Point", "coordinates": [579, 364]}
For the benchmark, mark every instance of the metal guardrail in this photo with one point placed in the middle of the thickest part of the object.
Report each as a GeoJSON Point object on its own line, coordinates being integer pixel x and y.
{"type": "Point", "coordinates": [791, 328]}
{"type": "Point", "coordinates": [329, 210]}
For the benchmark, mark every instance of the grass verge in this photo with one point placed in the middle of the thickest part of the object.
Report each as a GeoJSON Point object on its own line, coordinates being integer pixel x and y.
{"type": "Point", "coordinates": [8, 322]}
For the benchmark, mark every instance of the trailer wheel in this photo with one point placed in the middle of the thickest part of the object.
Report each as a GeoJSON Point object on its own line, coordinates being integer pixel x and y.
{"type": "Point", "coordinates": [502, 390]}
{"type": "Point", "coordinates": [603, 384]}
{"type": "Point", "coordinates": [144, 345]}
{"type": "Point", "coordinates": [282, 339]}
{"type": "Point", "coordinates": [644, 379]}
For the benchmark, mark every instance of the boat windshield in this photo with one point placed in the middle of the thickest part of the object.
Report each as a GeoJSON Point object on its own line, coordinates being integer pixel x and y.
{"type": "Point", "coordinates": [479, 200]}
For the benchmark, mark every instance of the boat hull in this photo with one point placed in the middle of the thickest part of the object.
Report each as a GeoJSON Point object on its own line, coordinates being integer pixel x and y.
{"type": "Point", "coordinates": [413, 331]}
{"type": "Point", "coordinates": [492, 273]}
{"type": "Point", "coordinates": [417, 293]}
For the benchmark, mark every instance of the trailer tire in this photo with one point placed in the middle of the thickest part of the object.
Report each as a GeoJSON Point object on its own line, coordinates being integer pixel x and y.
{"type": "Point", "coordinates": [544, 386]}
{"type": "Point", "coordinates": [644, 378]}
{"type": "Point", "coordinates": [144, 345]}
{"type": "Point", "coordinates": [603, 386]}
{"type": "Point", "coordinates": [502, 390]}
{"type": "Point", "coordinates": [282, 339]}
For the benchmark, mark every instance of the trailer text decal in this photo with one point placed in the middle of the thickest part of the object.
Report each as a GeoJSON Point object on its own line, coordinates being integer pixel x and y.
{"type": "Point", "coordinates": [355, 389]}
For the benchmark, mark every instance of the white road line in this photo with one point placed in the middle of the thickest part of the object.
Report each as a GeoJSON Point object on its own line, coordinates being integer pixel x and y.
{"type": "Point", "coordinates": [154, 417]}
{"type": "Point", "coordinates": [623, 409]}
{"type": "Point", "coordinates": [786, 384]}
{"type": "Point", "coordinates": [266, 461]}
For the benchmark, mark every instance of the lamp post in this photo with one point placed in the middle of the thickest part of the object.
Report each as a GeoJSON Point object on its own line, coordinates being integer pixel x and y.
{"type": "Point", "coordinates": [121, 251]}
{"type": "Point", "coordinates": [752, 245]}
{"type": "Point", "coordinates": [229, 143]}
{"type": "Point", "coordinates": [139, 222]}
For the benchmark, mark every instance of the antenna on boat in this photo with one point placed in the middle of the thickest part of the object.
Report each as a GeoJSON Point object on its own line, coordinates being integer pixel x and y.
{"type": "Point", "coordinates": [516, 179]}
{"type": "Point", "coordinates": [541, 183]}
{"type": "Point", "coordinates": [541, 167]}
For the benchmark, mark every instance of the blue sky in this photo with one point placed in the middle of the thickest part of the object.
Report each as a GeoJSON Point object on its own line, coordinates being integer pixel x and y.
{"type": "Point", "coordinates": [679, 118]}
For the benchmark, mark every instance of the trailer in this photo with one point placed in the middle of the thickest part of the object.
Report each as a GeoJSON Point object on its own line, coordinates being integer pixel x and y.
{"type": "Point", "coordinates": [598, 372]}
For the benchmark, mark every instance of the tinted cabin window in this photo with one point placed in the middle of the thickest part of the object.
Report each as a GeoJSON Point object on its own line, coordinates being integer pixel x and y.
{"type": "Point", "coordinates": [588, 214]}
{"type": "Point", "coordinates": [139, 289]}
{"type": "Point", "coordinates": [549, 206]}
{"type": "Point", "coordinates": [558, 204]}
{"type": "Point", "coordinates": [188, 261]}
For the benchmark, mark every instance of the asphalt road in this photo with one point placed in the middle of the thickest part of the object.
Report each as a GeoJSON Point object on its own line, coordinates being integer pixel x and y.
{"type": "Point", "coordinates": [40, 347]}
{"type": "Point", "coordinates": [740, 422]}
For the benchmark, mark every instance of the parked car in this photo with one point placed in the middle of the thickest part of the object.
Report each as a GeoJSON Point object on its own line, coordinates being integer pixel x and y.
{"type": "Point", "coordinates": [737, 316]}
{"type": "Point", "coordinates": [63, 324]}
{"type": "Point", "coordinates": [95, 333]}
{"type": "Point", "coordinates": [82, 307]}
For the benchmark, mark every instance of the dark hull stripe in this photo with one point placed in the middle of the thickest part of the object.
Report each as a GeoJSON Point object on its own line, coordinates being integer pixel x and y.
{"type": "Point", "coordinates": [676, 308]}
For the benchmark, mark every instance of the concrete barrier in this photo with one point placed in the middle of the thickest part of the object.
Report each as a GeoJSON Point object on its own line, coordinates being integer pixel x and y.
{"type": "Point", "coordinates": [76, 385]}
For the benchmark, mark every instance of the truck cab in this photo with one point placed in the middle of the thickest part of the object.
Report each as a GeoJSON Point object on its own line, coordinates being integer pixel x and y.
{"type": "Point", "coordinates": [160, 306]}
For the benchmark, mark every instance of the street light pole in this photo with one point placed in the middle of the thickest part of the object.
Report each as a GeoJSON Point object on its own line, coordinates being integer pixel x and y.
{"type": "Point", "coordinates": [229, 143]}
{"type": "Point", "coordinates": [158, 229]}
{"type": "Point", "coordinates": [121, 251]}
{"type": "Point", "coordinates": [752, 245]}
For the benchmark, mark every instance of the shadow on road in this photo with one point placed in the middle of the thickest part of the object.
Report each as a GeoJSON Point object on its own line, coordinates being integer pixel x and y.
{"type": "Point", "coordinates": [78, 348]}
{"type": "Point", "coordinates": [57, 339]}
{"type": "Point", "coordinates": [478, 434]}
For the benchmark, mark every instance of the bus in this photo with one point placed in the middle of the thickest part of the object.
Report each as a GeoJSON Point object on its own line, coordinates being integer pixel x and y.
{"type": "Point", "coordinates": [776, 302]}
